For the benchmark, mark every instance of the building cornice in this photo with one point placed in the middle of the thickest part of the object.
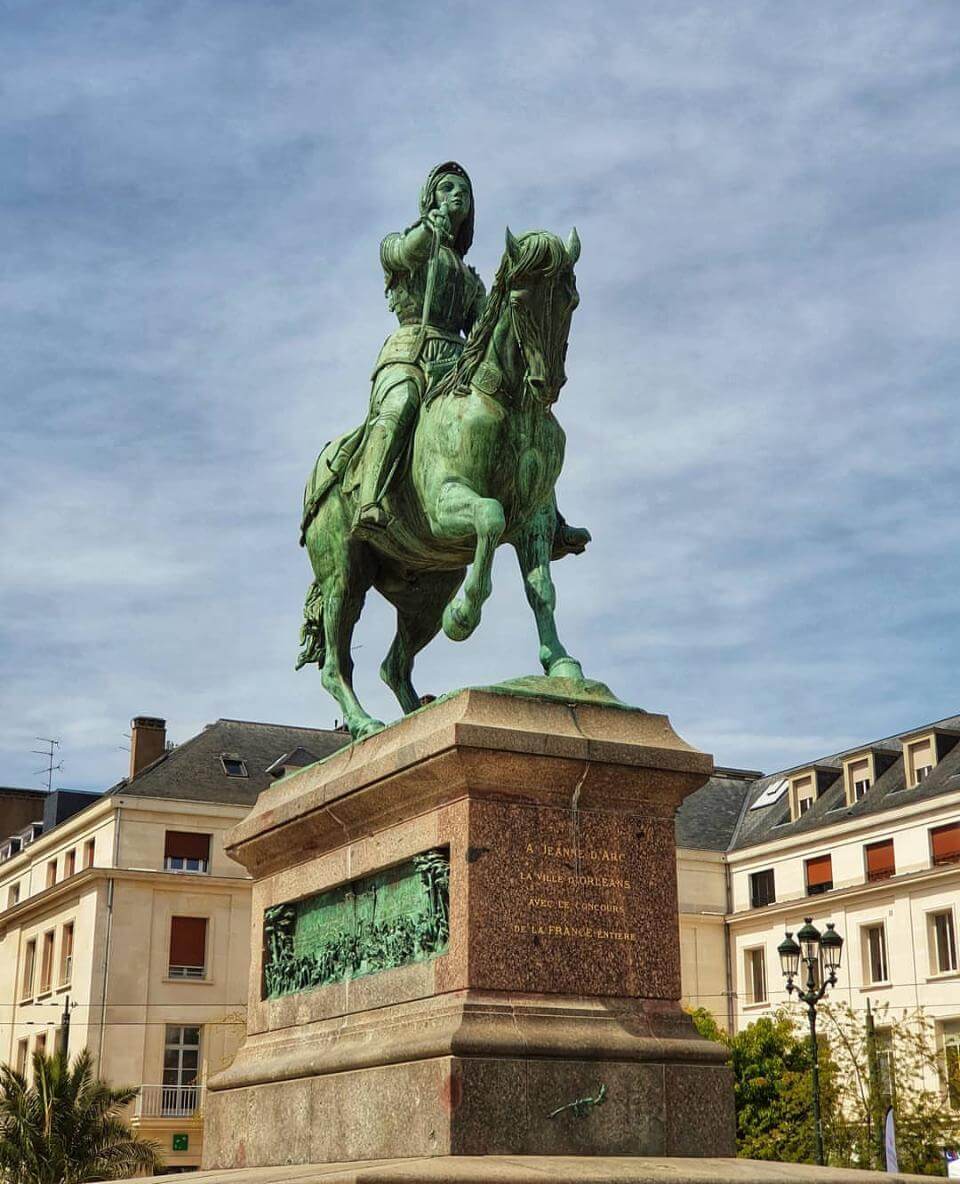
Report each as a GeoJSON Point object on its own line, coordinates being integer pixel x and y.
{"type": "Point", "coordinates": [77, 823]}
{"type": "Point", "coordinates": [846, 895]}
{"type": "Point", "coordinates": [39, 904]}
{"type": "Point", "coordinates": [97, 813]}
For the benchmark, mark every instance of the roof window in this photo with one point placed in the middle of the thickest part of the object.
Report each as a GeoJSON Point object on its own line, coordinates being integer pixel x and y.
{"type": "Point", "coordinates": [232, 764]}
{"type": "Point", "coordinates": [923, 751]}
{"type": "Point", "coordinates": [806, 785]}
{"type": "Point", "coordinates": [862, 770]}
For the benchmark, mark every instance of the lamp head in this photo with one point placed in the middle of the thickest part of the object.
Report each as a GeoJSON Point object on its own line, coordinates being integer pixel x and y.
{"type": "Point", "coordinates": [809, 938]}
{"type": "Point", "coordinates": [789, 953]}
{"type": "Point", "coordinates": [832, 945]}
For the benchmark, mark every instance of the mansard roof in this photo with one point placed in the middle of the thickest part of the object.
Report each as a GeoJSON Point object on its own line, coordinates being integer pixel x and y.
{"type": "Point", "coordinates": [889, 791]}
{"type": "Point", "coordinates": [196, 771]}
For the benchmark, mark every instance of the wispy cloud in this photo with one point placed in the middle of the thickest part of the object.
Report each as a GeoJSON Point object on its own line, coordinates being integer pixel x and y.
{"type": "Point", "coordinates": [762, 369]}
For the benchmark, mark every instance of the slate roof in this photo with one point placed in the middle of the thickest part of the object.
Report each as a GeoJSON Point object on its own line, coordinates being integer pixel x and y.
{"type": "Point", "coordinates": [193, 771]}
{"type": "Point", "coordinates": [700, 829]}
{"type": "Point", "coordinates": [708, 818]}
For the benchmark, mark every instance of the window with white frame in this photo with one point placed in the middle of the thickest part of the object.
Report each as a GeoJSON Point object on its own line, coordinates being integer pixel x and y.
{"type": "Point", "coordinates": [942, 941]}
{"type": "Point", "coordinates": [951, 1062]}
{"type": "Point", "coordinates": [66, 954]}
{"type": "Point", "coordinates": [188, 947]}
{"type": "Point", "coordinates": [181, 1070]}
{"type": "Point", "coordinates": [885, 1060]}
{"type": "Point", "coordinates": [186, 851]}
{"type": "Point", "coordinates": [875, 954]}
{"type": "Point", "coordinates": [755, 965]}
{"type": "Point", "coordinates": [29, 968]}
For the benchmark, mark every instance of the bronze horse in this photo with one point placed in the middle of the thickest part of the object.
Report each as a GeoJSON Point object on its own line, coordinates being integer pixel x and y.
{"type": "Point", "coordinates": [484, 459]}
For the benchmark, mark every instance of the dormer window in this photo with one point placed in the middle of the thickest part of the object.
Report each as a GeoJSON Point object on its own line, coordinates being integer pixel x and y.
{"type": "Point", "coordinates": [806, 786]}
{"type": "Point", "coordinates": [233, 765]}
{"type": "Point", "coordinates": [863, 769]}
{"type": "Point", "coordinates": [803, 794]}
{"type": "Point", "coordinates": [922, 752]}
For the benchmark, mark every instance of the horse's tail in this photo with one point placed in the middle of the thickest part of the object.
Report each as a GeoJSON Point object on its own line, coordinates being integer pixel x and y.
{"type": "Point", "coordinates": [311, 632]}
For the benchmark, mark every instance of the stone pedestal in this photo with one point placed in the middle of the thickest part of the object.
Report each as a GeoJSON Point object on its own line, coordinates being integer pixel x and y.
{"type": "Point", "coordinates": [559, 981]}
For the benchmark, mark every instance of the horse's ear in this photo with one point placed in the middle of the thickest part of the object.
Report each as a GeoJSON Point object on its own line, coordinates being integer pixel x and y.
{"type": "Point", "coordinates": [573, 245]}
{"type": "Point", "coordinates": [513, 247]}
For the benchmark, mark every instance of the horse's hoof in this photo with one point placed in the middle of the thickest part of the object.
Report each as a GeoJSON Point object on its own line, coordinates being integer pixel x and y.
{"type": "Point", "coordinates": [369, 727]}
{"type": "Point", "coordinates": [455, 624]}
{"type": "Point", "coordinates": [566, 668]}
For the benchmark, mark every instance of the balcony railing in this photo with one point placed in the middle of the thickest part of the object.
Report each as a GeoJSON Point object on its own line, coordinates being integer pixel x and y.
{"type": "Point", "coordinates": [169, 1101]}
{"type": "Point", "coordinates": [187, 971]}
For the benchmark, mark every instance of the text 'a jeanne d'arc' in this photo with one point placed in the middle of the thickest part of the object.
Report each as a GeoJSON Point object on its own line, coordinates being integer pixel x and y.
{"type": "Point", "coordinates": [590, 855]}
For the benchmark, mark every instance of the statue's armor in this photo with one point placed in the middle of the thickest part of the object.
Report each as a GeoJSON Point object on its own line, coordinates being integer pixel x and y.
{"type": "Point", "coordinates": [413, 356]}
{"type": "Point", "coordinates": [457, 300]}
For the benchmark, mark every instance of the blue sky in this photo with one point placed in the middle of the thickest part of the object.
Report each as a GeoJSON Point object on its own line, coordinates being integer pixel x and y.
{"type": "Point", "coordinates": [762, 371]}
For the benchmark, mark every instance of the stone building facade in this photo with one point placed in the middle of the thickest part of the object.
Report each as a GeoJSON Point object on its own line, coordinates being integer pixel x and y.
{"type": "Point", "coordinates": [868, 838]}
{"type": "Point", "coordinates": [127, 913]}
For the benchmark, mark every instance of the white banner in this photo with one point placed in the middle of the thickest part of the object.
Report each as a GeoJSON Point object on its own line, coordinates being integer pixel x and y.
{"type": "Point", "coordinates": [890, 1142]}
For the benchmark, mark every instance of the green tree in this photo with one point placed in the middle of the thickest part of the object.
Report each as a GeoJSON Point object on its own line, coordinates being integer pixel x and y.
{"type": "Point", "coordinates": [772, 1086]}
{"type": "Point", "coordinates": [910, 1079]}
{"type": "Point", "coordinates": [66, 1128]}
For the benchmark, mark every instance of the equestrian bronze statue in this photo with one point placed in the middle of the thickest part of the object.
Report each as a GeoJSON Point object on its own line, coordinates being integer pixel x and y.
{"type": "Point", "coordinates": [460, 451]}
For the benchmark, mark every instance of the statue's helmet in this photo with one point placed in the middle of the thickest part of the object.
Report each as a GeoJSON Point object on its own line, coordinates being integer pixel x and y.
{"type": "Point", "coordinates": [428, 199]}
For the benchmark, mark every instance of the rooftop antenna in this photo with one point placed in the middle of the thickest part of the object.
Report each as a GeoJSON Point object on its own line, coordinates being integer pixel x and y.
{"type": "Point", "coordinates": [50, 768]}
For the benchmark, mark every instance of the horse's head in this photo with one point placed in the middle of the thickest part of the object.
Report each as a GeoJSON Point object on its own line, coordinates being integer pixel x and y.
{"type": "Point", "coordinates": [537, 272]}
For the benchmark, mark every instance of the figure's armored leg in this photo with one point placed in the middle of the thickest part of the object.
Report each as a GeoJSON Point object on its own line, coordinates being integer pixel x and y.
{"type": "Point", "coordinates": [420, 604]}
{"type": "Point", "coordinates": [460, 512]}
{"type": "Point", "coordinates": [385, 439]}
{"type": "Point", "coordinates": [533, 553]}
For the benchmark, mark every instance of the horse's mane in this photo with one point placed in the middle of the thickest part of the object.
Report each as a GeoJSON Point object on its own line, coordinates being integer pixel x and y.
{"type": "Point", "coordinates": [540, 254]}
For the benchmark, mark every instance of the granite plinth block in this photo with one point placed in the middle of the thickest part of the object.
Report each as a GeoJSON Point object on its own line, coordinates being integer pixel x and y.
{"type": "Point", "coordinates": [562, 970]}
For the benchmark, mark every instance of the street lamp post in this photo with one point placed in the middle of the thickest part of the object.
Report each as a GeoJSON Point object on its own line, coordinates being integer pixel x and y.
{"type": "Point", "coordinates": [808, 948]}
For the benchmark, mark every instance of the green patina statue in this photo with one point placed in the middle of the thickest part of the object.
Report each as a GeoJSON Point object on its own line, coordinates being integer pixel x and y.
{"type": "Point", "coordinates": [460, 451]}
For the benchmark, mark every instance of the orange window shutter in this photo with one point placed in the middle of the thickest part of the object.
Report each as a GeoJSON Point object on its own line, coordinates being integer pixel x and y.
{"type": "Point", "coordinates": [819, 870]}
{"type": "Point", "coordinates": [188, 941]}
{"type": "Point", "coordinates": [880, 862]}
{"type": "Point", "coordinates": [945, 842]}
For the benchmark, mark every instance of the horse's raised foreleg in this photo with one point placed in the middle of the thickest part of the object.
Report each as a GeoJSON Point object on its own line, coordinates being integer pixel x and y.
{"type": "Point", "coordinates": [419, 603]}
{"type": "Point", "coordinates": [462, 512]}
{"type": "Point", "coordinates": [533, 548]}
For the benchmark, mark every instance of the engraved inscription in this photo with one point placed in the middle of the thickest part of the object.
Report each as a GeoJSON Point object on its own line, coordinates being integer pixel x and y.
{"type": "Point", "coordinates": [573, 892]}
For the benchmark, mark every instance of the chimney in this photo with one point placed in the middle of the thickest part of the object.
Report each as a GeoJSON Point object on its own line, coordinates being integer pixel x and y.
{"type": "Point", "coordinates": [148, 739]}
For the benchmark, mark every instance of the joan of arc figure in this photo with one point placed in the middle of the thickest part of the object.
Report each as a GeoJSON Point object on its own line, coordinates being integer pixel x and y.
{"type": "Point", "coordinates": [423, 267]}
{"type": "Point", "coordinates": [437, 298]}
